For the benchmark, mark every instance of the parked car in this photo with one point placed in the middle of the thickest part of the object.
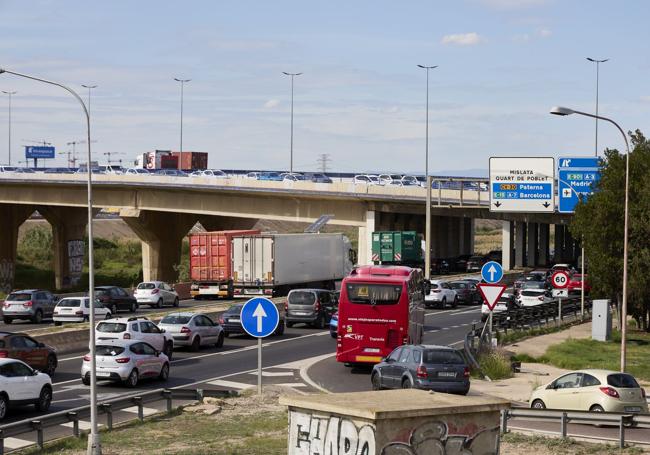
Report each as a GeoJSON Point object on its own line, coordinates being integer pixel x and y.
{"type": "Point", "coordinates": [390, 179]}
{"type": "Point", "coordinates": [115, 298]}
{"type": "Point", "coordinates": [269, 176]}
{"type": "Point", "coordinates": [77, 309]}
{"type": "Point", "coordinates": [532, 277]}
{"type": "Point", "coordinates": [126, 361]}
{"type": "Point", "coordinates": [293, 177]}
{"type": "Point", "coordinates": [22, 347]}
{"type": "Point", "coordinates": [21, 385]}
{"type": "Point", "coordinates": [135, 328]}
{"type": "Point", "coordinates": [575, 284]}
{"type": "Point", "coordinates": [440, 266]}
{"type": "Point", "coordinates": [440, 295]}
{"type": "Point", "coordinates": [429, 367]}
{"type": "Point", "coordinates": [252, 176]}
{"type": "Point", "coordinates": [507, 302]}
{"type": "Point", "coordinates": [475, 263]}
{"type": "Point", "coordinates": [193, 330]}
{"type": "Point", "coordinates": [495, 255]}
{"type": "Point", "coordinates": [318, 177]}
{"type": "Point", "coordinates": [311, 306]}
{"type": "Point", "coordinates": [459, 263]}
{"type": "Point", "coordinates": [230, 320]}
{"type": "Point", "coordinates": [209, 173]}
{"type": "Point", "coordinates": [365, 180]}
{"type": "Point", "coordinates": [155, 293]}
{"type": "Point", "coordinates": [592, 390]}
{"type": "Point", "coordinates": [32, 304]}
{"type": "Point", "coordinates": [137, 171]}
{"type": "Point", "coordinates": [466, 291]}
{"type": "Point", "coordinates": [7, 169]}
{"type": "Point", "coordinates": [334, 324]}
{"type": "Point", "coordinates": [409, 180]}
{"type": "Point", "coordinates": [562, 267]}
{"type": "Point", "coordinates": [172, 173]}
{"type": "Point", "coordinates": [532, 297]}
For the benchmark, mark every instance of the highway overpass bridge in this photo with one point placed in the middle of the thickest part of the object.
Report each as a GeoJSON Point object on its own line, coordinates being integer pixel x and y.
{"type": "Point", "coordinates": [161, 210]}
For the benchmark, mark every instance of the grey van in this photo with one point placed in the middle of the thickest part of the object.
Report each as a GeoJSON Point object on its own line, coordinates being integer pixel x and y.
{"type": "Point", "coordinates": [314, 307]}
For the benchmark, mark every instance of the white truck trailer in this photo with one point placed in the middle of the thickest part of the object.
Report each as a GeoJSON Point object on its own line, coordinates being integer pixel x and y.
{"type": "Point", "coordinates": [273, 264]}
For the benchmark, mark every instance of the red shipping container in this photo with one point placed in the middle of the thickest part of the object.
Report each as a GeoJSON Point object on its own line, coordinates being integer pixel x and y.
{"type": "Point", "coordinates": [191, 161]}
{"type": "Point", "coordinates": [168, 162]}
{"type": "Point", "coordinates": [210, 255]}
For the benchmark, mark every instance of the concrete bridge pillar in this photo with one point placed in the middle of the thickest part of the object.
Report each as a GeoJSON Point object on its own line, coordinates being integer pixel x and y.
{"type": "Point", "coordinates": [507, 244]}
{"type": "Point", "coordinates": [454, 227]}
{"type": "Point", "coordinates": [365, 239]}
{"type": "Point", "coordinates": [161, 234]}
{"type": "Point", "coordinates": [559, 243]}
{"type": "Point", "coordinates": [470, 231]}
{"type": "Point", "coordinates": [68, 231]}
{"type": "Point", "coordinates": [11, 217]}
{"type": "Point", "coordinates": [520, 243]}
{"type": "Point", "coordinates": [544, 234]}
{"type": "Point", "coordinates": [533, 244]}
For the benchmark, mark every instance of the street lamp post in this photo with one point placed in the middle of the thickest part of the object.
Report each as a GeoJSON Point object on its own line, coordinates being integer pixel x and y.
{"type": "Point", "coordinates": [566, 111]}
{"type": "Point", "coordinates": [89, 87]}
{"type": "Point", "coordinates": [291, 146]}
{"type": "Point", "coordinates": [597, 62]}
{"type": "Point", "coordinates": [94, 445]}
{"type": "Point", "coordinates": [9, 94]}
{"type": "Point", "coordinates": [427, 223]}
{"type": "Point", "coordinates": [182, 81]}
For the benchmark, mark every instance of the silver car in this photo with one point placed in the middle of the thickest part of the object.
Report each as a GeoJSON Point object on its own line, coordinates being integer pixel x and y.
{"type": "Point", "coordinates": [155, 293]}
{"type": "Point", "coordinates": [126, 361]}
{"type": "Point", "coordinates": [32, 304]}
{"type": "Point", "coordinates": [192, 329]}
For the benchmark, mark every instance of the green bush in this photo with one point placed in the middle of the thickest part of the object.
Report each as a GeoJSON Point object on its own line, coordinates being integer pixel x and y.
{"type": "Point", "coordinates": [495, 364]}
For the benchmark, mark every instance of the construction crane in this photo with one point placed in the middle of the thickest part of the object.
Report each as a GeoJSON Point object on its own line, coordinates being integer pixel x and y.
{"type": "Point", "coordinates": [72, 160]}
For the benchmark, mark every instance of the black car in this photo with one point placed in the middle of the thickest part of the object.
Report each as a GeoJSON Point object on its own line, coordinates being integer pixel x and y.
{"type": "Point", "coordinates": [466, 291]}
{"type": "Point", "coordinates": [230, 320]}
{"type": "Point", "coordinates": [429, 367]}
{"type": "Point", "coordinates": [313, 307]}
{"type": "Point", "coordinates": [475, 263]}
{"type": "Point", "coordinates": [317, 177]}
{"type": "Point", "coordinates": [115, 298]}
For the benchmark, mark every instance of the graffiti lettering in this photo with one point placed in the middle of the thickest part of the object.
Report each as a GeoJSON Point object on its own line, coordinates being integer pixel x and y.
{"type": "Point", "coordinates": [328, 435]}
{"type": "Point", "coordinates": [75, 262]}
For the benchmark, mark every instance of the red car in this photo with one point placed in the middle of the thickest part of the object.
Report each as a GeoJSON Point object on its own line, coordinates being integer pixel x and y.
{"type": "Point", "coordinates": [575, 284]}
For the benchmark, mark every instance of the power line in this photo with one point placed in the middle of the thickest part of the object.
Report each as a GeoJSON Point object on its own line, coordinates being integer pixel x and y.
{"type": "Point", "coordinates": [322, 160]}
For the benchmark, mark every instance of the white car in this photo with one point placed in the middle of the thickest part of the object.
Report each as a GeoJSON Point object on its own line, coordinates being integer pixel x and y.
{"type": "Point", "coordinates": [20, 384]}
{"type": "Point", "coordinates": [136, 171]}
{"type": "Point", "coordinates": [77, 309]}
{"type": "Point", "coordinates": [532, 297]}
{"type": "Point", "coordinates": [366, 180]}
{"type": "Point", "coordinates": [192, 329]}
{"type": "Point", "coordinates": [155, 293]}
{"type": "Point", "coordinates": [126, 361]}
{"type": "Point", "coordinates": [505, 303]}
{"type": "Point", "coordinates": [135, 328]}
{"type": "Point", "coordinates": [441, 294]}
{"type": "Point", "coordinates": [209, 173]}
{"type": "Point", "coordinates": [390, 179]}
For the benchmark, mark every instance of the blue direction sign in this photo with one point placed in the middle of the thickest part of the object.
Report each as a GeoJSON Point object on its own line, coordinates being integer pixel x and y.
{"type": "Point", "coordinates": [259, 317]}
{"type": "Point", "coordinates": [576, 177]}
{"type": "Point", "coordinates": [491, 272]}
{"type": "Point", "coordinates": [33, 151]}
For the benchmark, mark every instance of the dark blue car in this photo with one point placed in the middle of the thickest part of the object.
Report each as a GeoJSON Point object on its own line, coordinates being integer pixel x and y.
{"type": "Point", "coordinates": [334, 324]}
{"type": "Point", "coordinates": [269, 176]}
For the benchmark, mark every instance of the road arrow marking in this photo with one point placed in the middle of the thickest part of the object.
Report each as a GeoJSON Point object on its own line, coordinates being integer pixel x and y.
{"type": "Point", "coordinates": [259, 313]}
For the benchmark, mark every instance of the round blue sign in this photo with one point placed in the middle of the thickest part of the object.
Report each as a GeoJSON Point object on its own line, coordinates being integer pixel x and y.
{"type": "Point", "coordinates": [491, 272]}
{"type": "Point", "coordinates": [259, 317]}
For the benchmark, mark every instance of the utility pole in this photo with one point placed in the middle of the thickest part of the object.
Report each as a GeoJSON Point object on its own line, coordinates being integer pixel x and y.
{"type": "Point", "coordinates": [291, 146]}
{"type": "Point", "coordinates": [323, 159]}
{"type": "Point", "coordinates": [9, 94]}
{"type": "Point", "coordinates": [182, 81]}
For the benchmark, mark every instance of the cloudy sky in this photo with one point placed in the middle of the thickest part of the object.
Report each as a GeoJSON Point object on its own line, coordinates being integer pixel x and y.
{"type": "Point", "coordinates": [361, 98]}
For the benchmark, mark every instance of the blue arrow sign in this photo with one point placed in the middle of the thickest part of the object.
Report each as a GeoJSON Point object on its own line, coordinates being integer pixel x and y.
{"type": "Point", "coordinates": [491, 272]}
{"type": "Point", "coordinates": [576, 177]}
{"type": "Point", "coordinates": [259, 317]}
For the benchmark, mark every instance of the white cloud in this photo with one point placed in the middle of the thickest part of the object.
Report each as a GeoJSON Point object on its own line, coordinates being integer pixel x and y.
{"type": "Point", "coordinates": [462, 39]}
{"type": "Point", "coordinates": [514, 4]}
{"type": "Point", "coordinates": [270, 104]}
{"type": "Point", "coordinates": [544, 32]}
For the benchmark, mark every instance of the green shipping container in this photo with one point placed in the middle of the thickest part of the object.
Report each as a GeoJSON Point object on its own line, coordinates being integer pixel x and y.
{"type": "Point", "coordinates": [396, 247]}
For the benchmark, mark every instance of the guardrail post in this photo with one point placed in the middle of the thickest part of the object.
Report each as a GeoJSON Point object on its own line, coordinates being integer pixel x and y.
{"type": "Point", "coordinates": [138, 402]}
{"type": "Point", "coordinates": [439, 193]}
{"type": "Point", "coordinates": [621, 432]}
{"type": "Point", "coordinates": [199, 395]}
{"type": "Point", "coordinates": [2, 442]}
{"type": "Point", "coordinates": [75, 423]}
{"type": "Point", "coordinates": [504, 421]}
{"type": "Point", "coordinates": [38, 426]}
{"type": "Point", "coordinates": [167, 394]}
{"type": "Point", "coordinates": [563, 425]}
{"type": "Point", "coordinates": [108, 409]}
{"type": "Point", "coordinates": [462, 186]}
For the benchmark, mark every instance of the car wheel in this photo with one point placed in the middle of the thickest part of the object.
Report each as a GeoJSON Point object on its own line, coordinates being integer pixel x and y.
{"type": "Point", "coordinates": [280, 330]}
{"type": "Point", "coordinates": [226, 334]}
{"type": "Point", "coordinates": [51, 365]}
{"type": "Point", "coordinates": [443, 304]}
{"type": "Point", "coordinates": [289, 324]}
{"type": "Point", "coordinates": [159, 304]}
{"type": "Point", "coordinates": [596, 408]}
{"type": "Point", "coordinates": [406, 384]}
{"type": "Point", "coordinates": [538, 404]}
{"type": "Point", "coordinates": [113, 309]}
{"type": "Point", "coordinates": [57, 323]}
{"type": "Point", "coordinates": [38, 317]}
{"type": "Point", "coordinates": [455, 304]}
{"type": "Point", "coordinates": [164, 372]}
{"type": "Point", "coordinates": [107, 315]}
{"type": "Point", "coordinates": [176, 302]}
{"type": "Point", "coordinates": [132, 380]}
{"type": "Point", "coordinates": [44, 399]}
{"type": "Point", "coordinates": [376, 382]}
{"type": "Point", "coordinates": [133, 307]}
{"type": "Point", "coordinates": [196, 343]}
{"type": "Point", "coordinates": [86, 379]}
{"type": "Point", "coordinates": [86, 318]}
{"type": "Point", "coordinates": [7, 320]}
{"type": "Point", "coordinates": [320, 323]}
{"type": "Point", "coordinates": [333, 334]}
{"type": "Point", "coordinates": [169, 349]}
{"type": "Point", "coordinates": [4, 404]}
{"type": "Point", "coordinates": [219, 342]}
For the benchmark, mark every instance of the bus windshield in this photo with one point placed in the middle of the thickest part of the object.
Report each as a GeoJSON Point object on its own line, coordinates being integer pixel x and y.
{"type": "Point", "coordinates": [374, 294]}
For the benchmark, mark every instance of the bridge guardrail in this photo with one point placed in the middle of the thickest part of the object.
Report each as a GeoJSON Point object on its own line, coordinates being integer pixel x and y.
{"type": "Point", "coordinates": [107, 407]}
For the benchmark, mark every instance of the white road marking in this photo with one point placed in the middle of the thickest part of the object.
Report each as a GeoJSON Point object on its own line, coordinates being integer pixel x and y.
{"type": "Point", "coordinates": [272, 374]}
{"type": "Point", "coordinates": [16, 443]}
{"type": "Point", "coordinates": [290, 384]}
{"type": "Point", "coordinates": [231, 384]}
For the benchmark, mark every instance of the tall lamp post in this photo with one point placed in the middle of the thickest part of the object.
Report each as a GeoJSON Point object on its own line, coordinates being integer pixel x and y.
{"type": "Point", "coordinates": [427, 223]}
{"type": "Point", "coordinates": [597, 62]}
{"type": "Point", "coordinates": [291, 146]}
{"type": "Point", "coordinates": [94, 445]}
{"type": "Point", "coordinates": [89, 87]}
{"type": "Point", "coordinates": [9, 94]}
{"type": "Point", "coordinates": [566, 111]}
{"type": "Point", "coordinates": [182, 81]}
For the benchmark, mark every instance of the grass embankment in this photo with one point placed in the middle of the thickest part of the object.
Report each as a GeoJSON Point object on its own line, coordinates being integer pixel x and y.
{"type": "Point", "coordinates": [574, 354]}
{"type": "Point", "coordinates": [495, 364]}
{"type": "Point", "coordinates": [517, 444]}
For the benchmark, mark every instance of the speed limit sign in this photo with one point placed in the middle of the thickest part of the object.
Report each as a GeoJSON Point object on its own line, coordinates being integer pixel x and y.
{"type": "Point", "coordinates": [560, 279]}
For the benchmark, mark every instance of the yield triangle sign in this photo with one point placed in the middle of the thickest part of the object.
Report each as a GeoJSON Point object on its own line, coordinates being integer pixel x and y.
{"type": "Point", "coordinates": [491, 293]}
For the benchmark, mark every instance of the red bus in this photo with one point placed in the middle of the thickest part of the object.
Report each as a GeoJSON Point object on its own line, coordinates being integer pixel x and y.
{"type": "Point", "coordinates": [380, 308]}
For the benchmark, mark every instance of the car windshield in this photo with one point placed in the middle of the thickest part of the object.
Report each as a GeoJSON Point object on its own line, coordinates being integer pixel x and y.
{"type": "Point", "coordinates": [442, 357]}
{"type": "Point", "coordinates": [175, 319]}
{"type": "Point", "coordinates": [622, 381]}
{"type": "Point", "coordinates": [534, 285]}
{"type": "Point", "coordinates": [374, 294]}
{"type": "Point", "coordinates": [532, 293]}
{"type": "Point", "coordinates": [147, 286]}
{"type": "Point", "coordinates": [22, 297]}
{"type": "Point", "coordinates": [101, 292]}
{"type": "Point", "coordinates": [235, 309]}
{"type": "Point", "coordinates": [111, 327]}
{"type": "Point", "coordinates": [458, 285]}
{"type": "Point", "coordinates": [302, 298]}
{"type": "Point", "coordinates": [108, 350]}
{"type": "Point", "coordinates": [534, 278]}
{"type": "Point", "coordinates": [69, 303]}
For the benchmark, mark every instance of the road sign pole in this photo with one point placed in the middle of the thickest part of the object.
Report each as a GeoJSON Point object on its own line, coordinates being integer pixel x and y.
{"type": "Point", "coordinates": [491, 327]}
{"type": "Point", "coordinates": [582, 283]}
{"type": "Point", "coordinates": [259, 366]}
{"type": "Point", "coordinates": [559, 311]}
